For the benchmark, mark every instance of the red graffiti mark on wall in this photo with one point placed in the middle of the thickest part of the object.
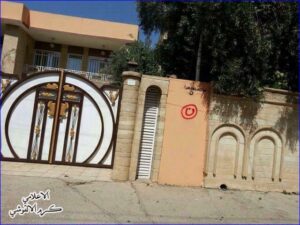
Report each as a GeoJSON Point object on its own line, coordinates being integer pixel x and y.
{"type": "Point", "coordinates": [189, 111]}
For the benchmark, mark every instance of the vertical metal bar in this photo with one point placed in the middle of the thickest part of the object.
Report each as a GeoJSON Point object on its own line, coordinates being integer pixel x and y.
{"type": "Point", "coordinates": [67, 132]}
{"type": "Point", "coordinates": [55, 128]}
{"type": "Point", "coordinates": [32, 125]}
{"type": "Point", "coordinates": [43, 132]}
{"type": "Point", "coordinates": [78, 129]}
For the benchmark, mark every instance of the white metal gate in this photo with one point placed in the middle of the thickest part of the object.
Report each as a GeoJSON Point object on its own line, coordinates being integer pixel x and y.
{"type": "Point", "coordinates": [59, 118]}
{"type": "Point", "coordinates": [148, 132]}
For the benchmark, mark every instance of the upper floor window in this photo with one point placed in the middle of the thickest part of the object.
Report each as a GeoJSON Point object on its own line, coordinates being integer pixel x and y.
{"type": "Point", "coordinates": [46, 58]}
{"type": "Point", "coordinates": [95, 64]}
{"type": "Point", "coordinates": [74, 62]}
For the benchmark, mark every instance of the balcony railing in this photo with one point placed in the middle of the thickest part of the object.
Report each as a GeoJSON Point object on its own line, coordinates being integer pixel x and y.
{"type": "Point", "coordinates": [30, 69]}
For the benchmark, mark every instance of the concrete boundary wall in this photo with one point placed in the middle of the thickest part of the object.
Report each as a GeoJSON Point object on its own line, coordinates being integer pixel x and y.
{"type": "Point", "coordinates": [185, 137]}
{"type": "Point", "coordinates": [244, 145]}
{"type": "Point", "coordinates": [254, 145]}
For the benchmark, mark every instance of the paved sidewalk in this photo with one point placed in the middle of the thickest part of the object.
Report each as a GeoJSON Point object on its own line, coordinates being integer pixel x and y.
{"type": "Point", "coordinates": [55, 171]}
{"type": "Point", "coordinates": [95, 201]}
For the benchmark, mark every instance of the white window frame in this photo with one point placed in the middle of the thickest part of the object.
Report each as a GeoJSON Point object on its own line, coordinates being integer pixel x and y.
{"type": "Point", "coordinates": [47, 52]}
{"type": "Point", "coordinates": [95, 58]}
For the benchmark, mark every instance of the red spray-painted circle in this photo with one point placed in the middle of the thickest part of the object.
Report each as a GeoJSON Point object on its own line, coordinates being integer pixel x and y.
{"type": "Point", "coordinates": [189, 111]}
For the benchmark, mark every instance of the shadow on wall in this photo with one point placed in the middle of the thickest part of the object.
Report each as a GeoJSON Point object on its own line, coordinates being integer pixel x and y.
{"type": "Point", "coordinates": [205, 99]}
{"type": "Point", "coordinates": [237, 110]}
{"type": "Point", "coordinates": [288, 123]}
{"type": "Point", "coordinates": [243, 112]}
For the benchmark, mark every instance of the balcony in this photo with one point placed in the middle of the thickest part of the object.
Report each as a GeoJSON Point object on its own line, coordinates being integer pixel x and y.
{"type": "Point", "coordinates": [95, 77]}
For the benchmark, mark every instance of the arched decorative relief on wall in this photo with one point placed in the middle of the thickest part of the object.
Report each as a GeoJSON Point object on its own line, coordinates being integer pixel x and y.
{"type": "Point", "coordinates": [226, 151]}
{"type": "Point", "coordinates": [265, 155]}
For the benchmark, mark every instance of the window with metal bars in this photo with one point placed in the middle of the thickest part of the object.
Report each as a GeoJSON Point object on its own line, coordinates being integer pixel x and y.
{"type": "Point", "coordinates": [95, 64]}
{"type": "Point", "coordinates": [46, 58]}
{"type": "Point", "coordinates": [74, 62]}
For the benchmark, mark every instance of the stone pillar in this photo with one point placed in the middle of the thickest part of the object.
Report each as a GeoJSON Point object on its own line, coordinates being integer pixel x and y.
{"type": "Point", "coordinates": [131, 83]}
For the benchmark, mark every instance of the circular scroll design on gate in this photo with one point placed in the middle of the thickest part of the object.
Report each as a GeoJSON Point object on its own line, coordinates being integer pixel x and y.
{"type": "Point", "coordinates": [16, 94]}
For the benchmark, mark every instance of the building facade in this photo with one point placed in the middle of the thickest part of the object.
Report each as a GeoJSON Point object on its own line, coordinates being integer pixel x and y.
{"type": "Point", "coordinates": [33, 41]}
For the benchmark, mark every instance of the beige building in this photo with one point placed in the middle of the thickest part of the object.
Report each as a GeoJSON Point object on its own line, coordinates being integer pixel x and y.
{"type": "Point", "coordinates": [36, 41]}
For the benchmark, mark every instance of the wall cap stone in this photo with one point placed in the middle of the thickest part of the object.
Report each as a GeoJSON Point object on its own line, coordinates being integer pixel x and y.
{"type": "Point", "coordinates": [155, 77]}
{"type": "Point", "coordinates": [281, 91]}
{"type": "Point", "coordinates": [270, 96]}
{"type": "Point", "coordinates": [131, 74]}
